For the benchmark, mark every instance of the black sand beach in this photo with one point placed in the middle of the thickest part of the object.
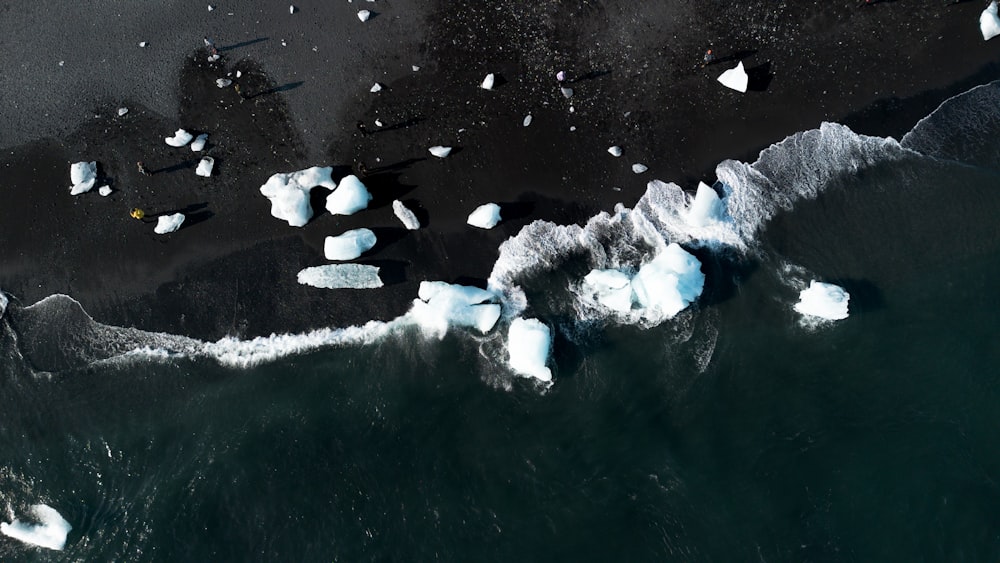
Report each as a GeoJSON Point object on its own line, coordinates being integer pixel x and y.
{"type": "Point", "coordinates": [306, 77]}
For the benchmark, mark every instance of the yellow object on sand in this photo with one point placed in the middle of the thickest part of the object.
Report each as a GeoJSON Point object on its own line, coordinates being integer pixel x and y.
{"type": "Point", "coordinates": [137, 213]}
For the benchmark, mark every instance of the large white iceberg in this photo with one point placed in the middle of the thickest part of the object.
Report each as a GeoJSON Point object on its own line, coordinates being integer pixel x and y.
{"type": "Point", "coordinates": [823, 300]}
{"type": "Point", "coordinates": [405, 216]}
{"type": "Point", "coordinates": [441, 305]}
{"type": "Point", "coordinates": [735, 78]}
{"type": "Point", "coordinates": [706, 208]}
{"type": "Point", "coordinates": [350, 197]}
{"type": "Point", "coordinates": [349, 245]}
{"type": "Point", "coordinates": [669, 282]}
{"type": "Point", "coordinates": [289, 193]}
{"type": "Point", "coordinates": [341, 276]}
{"type": "Point", "coordinates": [989, 22]}
{"type": "Point", "coordinates": [612, 288]}
{"type": "Point", "coordinates": [83, 175]}
{"type": "Point", "coordinates": [485, 216]}
{"type": "Point", "coordinates": [49, 532]}
{"type": "Point", "coordinates": [180, 138]}
{"type": "Point", "coordinates": [528, 344]}
{"type": "Point", "coordinates": [168, 223]}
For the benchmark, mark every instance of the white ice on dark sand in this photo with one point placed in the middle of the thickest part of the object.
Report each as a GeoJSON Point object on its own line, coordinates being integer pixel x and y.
{"type": "Point", "coordinates": [441, 305]}
{"type": "Point", "coordinates": [199, 142]}
{"type": "Point", "coordinates": [526, 121]}
{"type": "Point", "coordinates": [823, 300]}
{"type": "Point", "coordinates": [989, 22]}
{"type": "Point", "coordinates": [735, 78]}
{"type": "Point", "coordinates": [341, 276]}
{"type": "Point", "coordinates": [375, 88]}
{"type": "Point", "coordinates": [223, 82]}
{"type": "Point", "coordinates": [349, 197]}
{"type": "Point", "coordinates": [639, 168]}
{"type": "Point", "coordinates": [83, 175]}
{"type": "Point", "coordinates": [488, 82]}
{"type": "Point", "coordinates": [363, 15]}
{"type": "Point", "coordinates": [289, 193]}
{"type": "Point", "coordinates": [205, 166]}
{"type": "Point", "coordinates": [615, 151]}
{"type": "Point", "coordinates": [528, 344]}
{"type": "Point", "coordinates": [49, 531]}
{"type": "Point", "coordinates": [349, 245]}
{"type": "Point", "coordinates": [405, 216]}
{"type": "Point", "coordinates": [168, 223]}
{"type": "Point", "coordinates": [104, 190]}
{"type": "Point", "coordinates": [439, 151]}
{"type": "Point", "coordinates": [485, 216]}
{"type": "Point", "coordinates": [180, 138]}
{"type": "Point", "coordinates": [122, 111]}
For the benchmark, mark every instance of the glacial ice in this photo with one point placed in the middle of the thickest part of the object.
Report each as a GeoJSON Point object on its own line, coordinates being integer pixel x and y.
{"type": "Point", "coordinates": [341, 276]}
{"type": "Point", "coordinates": [405, 216]}
{"type": "Point", "coordinates": [441, 305]}
{"type": "Point", "coordinates": [488, 82]}
{"type": "Point", "coordinates": [363, 15]}
{"type": "Point", "coordinates": [199, 142]}
{"type": "Point", "coordinates": [49, 532]}
{"type": "Point", "coordinates": [83, 175]}
{"type": "Point", "coordinates": [223, 82]}
{"type": "Point", "coordinates": [375, 88]}
{"type": "Point", "coordinates": [168, 223]}
{"type": "Point", "coordinates": [350, 197]}
{"type": "Point", "coordinates": [735, 78]}
{"type": "Point", "coordinates": [289, 193]}
{"type": "Point", "coordinates": [989, 22]}
{"type": "Point", "coordinates": [612, 288]}
{"type": "Point", "coordinates": [349, 245]}
{"type": "Point", "coordinates": [485, 216]}
{"type": "Point", "coordinates": [439, 151]}
{"type": "Point", "coordinates": [823, 300]}
{"type": "Point", "coordinates": [669, 282]}
{"type": "Point", "coordinates": [615, 151]}
{"type": "Point", "coordinates": [526, 121]}
{"type": "Point", "coordinates": [205, 166]}
{"type": "Point", "coordinates": [528, 344]}
{"type": "Point", "coordinates": [104, 190]}
{"type": "Point", "coordinates": [706, 207]}
{"type": "Point", "coordinates": [639, 168]}
{"type": "Point", "coordinates": [180, 138]}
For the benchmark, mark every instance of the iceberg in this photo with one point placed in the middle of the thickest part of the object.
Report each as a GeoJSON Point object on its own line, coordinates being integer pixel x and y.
{"type": "Point", "coordinates": [289, 193]}
{"type": "Point", "coordinates": [669, 282]}
{"type": "Point", "coordinates": [485, 216]}
{"type": "Point", "coordinates": [735, 78]}
{"type": "Point", "coordinates": [441, 305]}
{"type": "Point", "coordinates": [823, 300]}
{"type": "Point", "coordinates": [84, 176]}
{"type": "Point", "coordinates": [439, 151]}
{"type": "Point", "coordinates": [706, 208]}
{"type": "Point", "coordinates": [528, 344]}
{"type": "Point", "coordinates": [405, 216]}
{"type": "Point", "coordinates": [168, 223]}
{"type": "Point", "coordinates": [989, 22]}
{"type": "Point", "coordinates": [612, 288]}
{"type": "Point", "coordinates": [341, 276]}
{"type": "Point", "coordinates": [205, 166]}
{"type": "Point", "coordinates": [349, 245]}
{"type": "Point", "coordinates": [180, 138]}
{"type": "Point", "coordinates": [350, 197]}
{"type": "Point", "coordinates": [50, 531]}
{"type": "Point", "coordinates": [199, 142]}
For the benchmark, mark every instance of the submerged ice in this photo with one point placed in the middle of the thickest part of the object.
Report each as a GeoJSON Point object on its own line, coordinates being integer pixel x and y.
{"type": "Point", "coordinates": [441, 305]}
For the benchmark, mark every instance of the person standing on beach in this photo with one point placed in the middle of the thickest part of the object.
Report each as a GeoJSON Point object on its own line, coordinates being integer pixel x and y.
{"type": "Point", "coordinates": [708, 59]}
{"type": "Point", "coordinates": [211, 46]}
{"type": "Point", "coordinates": [137, 214]}
{"type": "Point", "coordinates": [142, 169]}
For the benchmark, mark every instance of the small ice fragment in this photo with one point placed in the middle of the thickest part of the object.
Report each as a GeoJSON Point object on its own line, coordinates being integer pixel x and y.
{"type": "Point", "coordinates": [735, 78]}
{"type": "Point", "coordinates": [566, 92]}
{"type": "Point", "coordinates": [989, 22]}
{"type": "Point", "coordinates": [104, 190]}
{"type": "Point", "coordinates": [223, 82]}
{"type": "Point", "coordinates": [485, 216]}
{"type": "Point", "coordinates": [122, 111]}
{"type": "Point", "coordinates": [528, 344]}
{"type": "Point", "coordinates": [639, 168]}
{"type": "Point", "coordinates": [291, 9]}
{"type": "Point", "coordinates": [572, 128]}
{"type": "Point", "coordinates": [415, 68]}
{"type": "Point", "coordinates": [488, 82]}
{"type": "Point", "coordinates": [168, 223]}
{"type": "Point", "coordinates": [439, 151]}
{"type": "Point", "coordinates": [283, 44]}
{"type": "Point", "coordinates": [376, 87]}
{"type": "Point", "coordinates": [349, 245]}
{"type": "Point", "coordinates": [84, 176]}
{"type": "Point", "coordinates": [180, 138]}
{"type": "Point", "coordinates": [199, 142]}
{"type": "Point", "coordinates": [61, 63]}
{"type": "Point", "coordinates": [378, 123]}
{"type": "Point", "coordinates": [143, 43]}
{"type": "Point", "coordinates": [213, 58]}
{"type": "Point", "coordinates": [341, 276]}
{"type": "Point", "coordinates": [572, 109]}
{"type": "Point", "coordinates": [363, 15]}
{"type": "Point", "coordinates": [824, 300]}
{"type": "Point", "coordinates": [527, 120]}
{"type": "Point", "coordinates": [560, 76]}
{"type": "Point", "coordinates": [205, 166]}
{"type": "Point", "coordinates": [239, 73]}
{"type": "Point", "coordinates": [405, 216]}
{"type": "Point", "coordinates": [615, 151]}
{"type": "Point", "coordinates": [210, 7]}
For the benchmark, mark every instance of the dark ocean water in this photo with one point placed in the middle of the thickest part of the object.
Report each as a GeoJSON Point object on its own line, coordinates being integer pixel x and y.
{"type": "Point", "coordinates": [733, 432]}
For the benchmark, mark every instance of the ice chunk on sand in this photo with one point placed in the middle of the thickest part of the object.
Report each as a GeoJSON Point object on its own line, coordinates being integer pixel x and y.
{"type": "Point", "coordinates": [199, 142]}
{"type": "Point", "coordinates": [363, 15]}
{"type": "Point", "coordinates": [376, 87]}
{"type": "Point", "coordinates": [349, 245]}
{"type": "Point", "coordinates": [441, 305]}
{"type": "Point", "coordinates": [989, 22]}
{"type": "Point", "coordinates": [49, 532]}
{"type": "Point", "coordinates": [180, 138]}
{"type": "Point", "coordinates": [488, 82]}
{"type": "Point", "coordinates": [527, 120]}
{"type": "Point", "coordinates": [122, 111]}
{"type": "Point", "coordinates": [639, 168]}
{"type": "Point", "coordinates": [405, 216]}
{"type": "Point", "coordinates": [439, 151]}
{"type": "Point", "coordinates": [613, 289]}
{"type": "Point", "coordinates": [350, 197]}
{"type": "Point", "coordinates": [669, 282]}
{"type": "Point", "coordinates": [566, 92]}
{"type": "Point", "coordinates": [528, 343]}
{"type": "Point", "coordinates": [341, 276]}
{"type": "Point", "coordinates": [485, 216]}
{"type": "Point", "coordinates": [289, 193]}
{"type": "Point", "coordinates": [706, 208]}
{"type": "Point", "coordinates": [291, 9]}
{"type": "Point", "coordinates": [223, 82]}
{"type": "Point", "coordinates": [168, 223]}
{"type": "Point", "coordinates": [615, 151]}
{"type": "Point", "coordinates": [104, 190]}
{"type": "Point", "coordinates": [205, 166]}
{"type": "Point", "coordinates": [823, 300]}
{"type": "Point", "coordinates": [735, 78]}
{"type": "Point", "coordinates": [83, 175]}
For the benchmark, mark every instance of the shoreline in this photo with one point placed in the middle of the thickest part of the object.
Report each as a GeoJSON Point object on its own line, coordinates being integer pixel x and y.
{"type": "Point", "coordinates": [231, 269]}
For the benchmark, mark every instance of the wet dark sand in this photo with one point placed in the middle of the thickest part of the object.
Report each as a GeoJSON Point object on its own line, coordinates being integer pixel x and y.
{"type": "Point", "coordinates": [231, 268]}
